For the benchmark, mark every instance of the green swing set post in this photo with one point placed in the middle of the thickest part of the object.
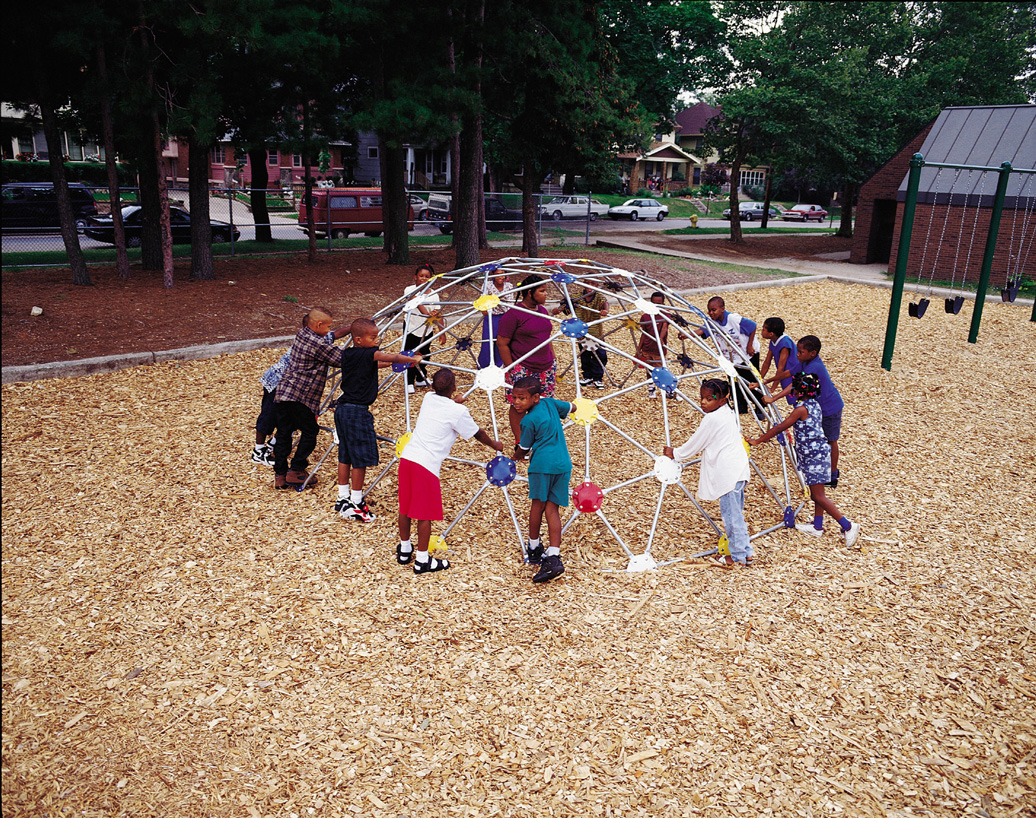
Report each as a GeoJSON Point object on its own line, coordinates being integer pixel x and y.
{"type": "Point", "coordinates": [987, 259]}
{"type": "Point", "coordinates": [896, 303]}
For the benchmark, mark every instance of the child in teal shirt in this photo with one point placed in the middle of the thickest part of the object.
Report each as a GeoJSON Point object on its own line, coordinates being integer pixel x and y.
{"type": "Point", "coordinates": [550, 469]}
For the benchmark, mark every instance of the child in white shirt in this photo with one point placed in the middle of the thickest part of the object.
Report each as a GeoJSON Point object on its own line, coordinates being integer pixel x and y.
{"type": "Point", "coordinates": [420, 323]}
{"type": "Point", "coordinates": [442, 419]}
{"type": "Point", "coordinates": [724, 467]}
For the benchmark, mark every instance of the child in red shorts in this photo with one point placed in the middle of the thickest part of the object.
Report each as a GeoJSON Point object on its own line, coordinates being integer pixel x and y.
{"type": "Point", "coordinates": [443, 418]}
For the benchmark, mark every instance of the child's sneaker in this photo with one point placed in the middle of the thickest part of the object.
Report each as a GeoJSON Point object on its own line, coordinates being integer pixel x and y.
{"type": "Point", "coordinates": [421, 383]}
{"type": "Point", "coordinates": [598, 384]}
{"type": "Point", "coordinates": [433, 564]}
{"type": "Point", "coordinates": [342, 506]}
{"type": "Point", "coordinates": [410, 389]}
{"type": "Point", "coordinates": [652, 391]}
{"type": "Point", "coordinates": [297, 478]}
{"type": "Point", "coordinates": [809, 528]}
{"type": "Point", "coordinates": [359, 512]}
{"type": "Point", "coordinates": [550, 569]}
{"type": "Point", "coordinates": [852, 534]}
{"type": "Point", "coordinates": [585, 381]}
{"type": "Point", "coordinates": [262, 455]}
{"type": "Point", "coordinates": [833, 482]}
{"type": "Point", "coordinates": [534, 556]}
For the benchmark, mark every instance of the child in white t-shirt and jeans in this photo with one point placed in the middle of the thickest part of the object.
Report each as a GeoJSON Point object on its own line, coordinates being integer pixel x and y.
{"type": "Point", "coordinates": [443, 418]}
{"type": "Point", "coordinates": [724, 467]}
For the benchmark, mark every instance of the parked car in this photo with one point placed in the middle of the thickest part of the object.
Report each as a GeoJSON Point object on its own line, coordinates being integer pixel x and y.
{"type": "Point", "coordinates": [102, 228]}
{"type": "Point", "coordinates": [498, 216]}
{"type": "Point", "coordinates": [34, 206]}
{"type": "Point", "coordinates": [750, 211]}
{"type": "Point", "coordinates": [634, 209]}
{"type": "Point", "coordinates": [572, 207]}
{"type": "Point", "coordinates": [352, 210]}
{"type": "Point", "coordinates": [418, 205]}
{"type": "Point", "coordinates": [805, 212]}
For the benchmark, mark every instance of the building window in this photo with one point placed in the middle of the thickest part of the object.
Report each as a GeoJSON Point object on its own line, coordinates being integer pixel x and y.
{"type": "Point", "coordinates": [296, 160]}
{"type": "Point", "coordinates": [372, 152]}
{"type": "Point", "coordinates": [752, 178]}
{"type": "Point", "coordinates": [271, 157]}
{"type": "Point", "coordinates": [219, 155]}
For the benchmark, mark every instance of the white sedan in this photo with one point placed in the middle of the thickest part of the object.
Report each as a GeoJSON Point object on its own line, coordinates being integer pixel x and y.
{"type": "Point", "coordinates": [634, 209]}
{"type": "Point", "coordinates": [572, 207]}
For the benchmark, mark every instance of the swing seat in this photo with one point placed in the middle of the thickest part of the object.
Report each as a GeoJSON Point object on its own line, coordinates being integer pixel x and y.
{"type": "Point", "coordinates": [954, 304]}
{"type": "Point", "coordinates": [918, 310]}
{"type": "Point", "coordinates": [1010, 293]}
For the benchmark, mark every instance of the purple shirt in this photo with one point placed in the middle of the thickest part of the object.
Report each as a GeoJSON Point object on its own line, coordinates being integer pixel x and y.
{"type": "Point", "coordinates": [830, 400]}
{"type": "Point", "coordinates": [527, 332]}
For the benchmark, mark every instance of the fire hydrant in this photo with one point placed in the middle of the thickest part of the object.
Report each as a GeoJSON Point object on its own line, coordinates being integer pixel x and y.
{"type": "Point", "coordinates": [694, 220]}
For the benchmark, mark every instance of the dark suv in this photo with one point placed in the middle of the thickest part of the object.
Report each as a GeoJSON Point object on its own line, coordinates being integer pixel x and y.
{"type": "Point", "coordinates": [34, 206]}
{"type": "Point", "coordinates": [498, 216]}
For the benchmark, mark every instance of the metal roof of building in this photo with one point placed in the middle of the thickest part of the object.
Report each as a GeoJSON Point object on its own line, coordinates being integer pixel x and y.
{"type": "Point", "coordinates": [984, 136]}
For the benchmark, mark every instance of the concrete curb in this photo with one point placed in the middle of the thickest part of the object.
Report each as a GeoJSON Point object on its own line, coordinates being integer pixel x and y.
{"type": "Point", "coordinates": [111, 363]}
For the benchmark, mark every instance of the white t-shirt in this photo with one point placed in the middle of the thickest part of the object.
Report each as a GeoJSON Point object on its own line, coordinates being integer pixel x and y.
{"type": "Point", "coordinates": [733, 334]}
{"type": "Point", "coordinates": [724, 461]}
{"type": "Point", "coordinates": [414, 319]}
{"type": "Point", "coordinates": [438, 426]}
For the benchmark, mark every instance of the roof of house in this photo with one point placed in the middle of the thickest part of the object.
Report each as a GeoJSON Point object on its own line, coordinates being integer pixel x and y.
{"type": "Point", "coordinates": [982, 136]}
{"type": "Point", "coordinates": [692, 120]}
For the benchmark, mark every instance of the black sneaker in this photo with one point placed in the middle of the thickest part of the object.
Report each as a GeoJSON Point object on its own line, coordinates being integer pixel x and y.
{"type": "Point", "coordinates": [598, 384]}
{"type": "Point", "coordinates": [342, 506]}
{"type": "Point", "coordinates": [263, 455]}
{"type": "Point", "coordinates": [585, 381]}
{"type": "Point", "coordinates": [433, 564]}
{"type": "Point", "coordinates": [550, 569]}
{"type": "Point", "coordinates": [833, 482]}
{"type": "Point", "coordinates": [534, 556]}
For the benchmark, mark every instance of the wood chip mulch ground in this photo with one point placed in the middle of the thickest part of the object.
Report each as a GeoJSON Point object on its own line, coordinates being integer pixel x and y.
{"type": "Point", "coordinates": [179, 639]}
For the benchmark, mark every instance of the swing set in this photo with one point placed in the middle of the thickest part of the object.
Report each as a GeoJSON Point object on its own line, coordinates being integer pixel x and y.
{"type": "Point", "coordinates": [1018, 253]}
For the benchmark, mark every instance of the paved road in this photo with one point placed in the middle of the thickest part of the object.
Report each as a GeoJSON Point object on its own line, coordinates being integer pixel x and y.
{"type": "Point", "coordinates": [288, 229]}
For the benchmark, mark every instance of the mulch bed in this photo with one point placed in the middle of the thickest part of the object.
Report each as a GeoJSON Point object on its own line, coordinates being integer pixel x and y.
{"type": "Point", "coordinates": [179, 639]}
{"type": "Point", "coordinates": [267, 296]}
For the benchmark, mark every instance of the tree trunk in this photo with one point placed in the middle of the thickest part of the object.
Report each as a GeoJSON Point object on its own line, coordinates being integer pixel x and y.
{"type": "Point", "coordinates": [201, 227]}
{"type": "Point", "coordinates": [80, 275]}
{"type": "Point", "coordinates": [766, 198]}
{"type": "Point", "coordinates": [530, 187]}
{"type": "Point", "coordinates": [260, 182]}
{"type": "Point", "coordinates": [307, 194]}
{"type": "Point", "coordinates": [394, 202]}
{"type": "Point", "coordinates": [110, 164]}
{"type": "Point", "coordinates": [735, 215]}
{"type": "Point", "coordinates": [845, 226]}
{"type": "Point", "coordinates": [151, 205]}
{"type": "Point", "coordinates": [570, 184]}
{"type": "Point", "coordinates": [163, 217]}
{"type": "Point", "coordinates": [465, 206]}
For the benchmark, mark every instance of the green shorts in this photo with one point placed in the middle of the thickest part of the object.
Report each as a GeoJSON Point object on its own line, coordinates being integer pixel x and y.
{"type": "Point", "coordinates": [550, 487]}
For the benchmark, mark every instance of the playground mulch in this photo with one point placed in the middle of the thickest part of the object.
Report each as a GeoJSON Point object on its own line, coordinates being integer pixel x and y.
{"type": "Point", "coordinates": [262, 297]}
{"type": "Point", "coordinates": [180, 639]}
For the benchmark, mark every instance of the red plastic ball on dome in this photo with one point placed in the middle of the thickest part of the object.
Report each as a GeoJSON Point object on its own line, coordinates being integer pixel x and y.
{"type": "Point", "coordinates": [587, 497]}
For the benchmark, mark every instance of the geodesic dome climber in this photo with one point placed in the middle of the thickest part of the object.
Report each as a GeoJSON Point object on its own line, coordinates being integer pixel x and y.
{"type": "Point", "coordinates": [629, 502]}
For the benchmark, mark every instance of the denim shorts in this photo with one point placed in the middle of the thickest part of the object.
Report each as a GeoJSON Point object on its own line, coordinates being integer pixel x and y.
{"type": "Point", "coordinates": [832, 426]}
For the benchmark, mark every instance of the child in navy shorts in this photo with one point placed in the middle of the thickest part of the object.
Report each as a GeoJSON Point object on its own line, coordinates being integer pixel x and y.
{"type": "Point", "coordinates": [550, 469]}
{"type": "Point", "coordinates": [354, 423]}
{"type": "Point", "coordinates": [443, 418]}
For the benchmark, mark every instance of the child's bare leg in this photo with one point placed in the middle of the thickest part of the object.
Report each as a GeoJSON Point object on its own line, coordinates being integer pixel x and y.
{"type": "Point", "coordinates": [834, 456]}
{"type": "Point", "coordinates": [515, 419]}
{"type": "Point", "coordinates": [424, 534]}
{"type": "Point", "coordinates": [823, 504]}
{"type": "Point", "coordinates": [535, 518]}
{"type": "Point", "coordinates": [404, 528]}
{"type": "Point", "coordinates": [343, 474]}
{"type": "Point", "coordinates": [553, 515]}
{"type": "Point", "coordinates": [358, 475]}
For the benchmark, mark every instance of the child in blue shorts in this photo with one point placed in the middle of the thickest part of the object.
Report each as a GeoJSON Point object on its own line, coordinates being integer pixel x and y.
{"type": "Point", "coordinates": [550, 468]}
{"type": "Point", "coordinates": [354, 423]}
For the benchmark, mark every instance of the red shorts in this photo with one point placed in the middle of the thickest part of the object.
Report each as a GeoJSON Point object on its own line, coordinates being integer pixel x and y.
{"type": "Point", "coordinates": [420, 494]}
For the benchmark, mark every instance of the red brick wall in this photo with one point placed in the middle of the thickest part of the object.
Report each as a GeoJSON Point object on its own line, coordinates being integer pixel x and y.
{"type": "Point", "coordinates": [884, 184]}
{"type": "Point", "coordinates": [951, 242]}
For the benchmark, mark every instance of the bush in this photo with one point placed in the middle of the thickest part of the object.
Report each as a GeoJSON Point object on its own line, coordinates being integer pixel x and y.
{"type": "Point", "coordinates": [684, 191]}
{"type": "Point", "coordinates": [644, 193]}
{"type": "Point", "coordinates": [91, 174]}
{"type": "Point", "coordinates": [755, 192]}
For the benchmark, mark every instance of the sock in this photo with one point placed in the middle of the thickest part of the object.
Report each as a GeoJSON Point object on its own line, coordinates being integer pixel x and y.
{"type": "Point", "coordinates": [343, 492]}
{"type": "Point", "coordinates": [835, 475]}
{"type": "Point", "coordinates": [818, 522]}
{"type": "Point", "coordinates": [271, 441]}
{"type": "Point", "coordinates": [356, 497]}
{"type": "Point", "coordinates": [421, 556]}
{"type": "Point", "coordinates": [533, 543]}
{"type": "Point", "coordinates": [405, 546]}
{"type": "Point", "coordinates": [553, 551]}
{"type": "Point", "coordinates": [260, 448]}
{"type": "Point", "coordinates": [845, 524]}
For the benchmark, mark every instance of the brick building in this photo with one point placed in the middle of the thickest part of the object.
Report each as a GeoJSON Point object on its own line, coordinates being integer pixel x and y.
{"type": "Point", "coordinates": [953, 211]}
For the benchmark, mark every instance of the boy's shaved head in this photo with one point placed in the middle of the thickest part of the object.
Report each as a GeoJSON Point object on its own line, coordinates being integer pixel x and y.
{"type": "Point", "coordinates": [444, 382]}
{"type": "Point", "coordinates": [316, 314]}
{"type": "Point", "coordinates": [363, 326]}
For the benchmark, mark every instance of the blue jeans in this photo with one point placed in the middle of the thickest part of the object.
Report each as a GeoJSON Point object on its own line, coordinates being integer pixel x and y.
{"type": "Point", "coordinates": [732, 509]}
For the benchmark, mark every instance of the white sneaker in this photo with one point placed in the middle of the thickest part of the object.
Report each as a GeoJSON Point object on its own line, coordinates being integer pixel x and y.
{"type": "Point", "coordinates": [808, 528]}
{"type": "Point", "coordinates": [410, 389]}
{"type": "Point", "coordinates": [852, 534]}
{"type": "Point", "coordinates": [652, 391]}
